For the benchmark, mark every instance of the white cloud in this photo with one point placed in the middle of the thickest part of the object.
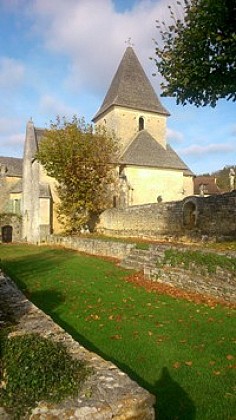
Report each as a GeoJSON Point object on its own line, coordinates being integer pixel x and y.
{"type": "Point", "coordinates": [53, 106]}
{"type": "Point", "coordinates": [174, 136]}
{"type": "Point", "coordinates": [93, 34]}
{"type": "Point", "coordinates": [196, 150]}
{"type": "Point", "coordinates": [11, 73]}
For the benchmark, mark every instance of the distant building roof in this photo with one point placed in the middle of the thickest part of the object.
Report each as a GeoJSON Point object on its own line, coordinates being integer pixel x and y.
{"type": "Point", "coordinates": [146, 151]}
{"type": "Point", "coordinates": [13, 166]}
{"type": "Point", "coordinates": [131, 88]}
{"type": "Point", "coordinates": [206, 185]}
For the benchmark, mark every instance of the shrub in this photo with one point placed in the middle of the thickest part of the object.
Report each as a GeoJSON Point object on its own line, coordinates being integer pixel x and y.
{"type": "Point", "coordinates": [34, 368]}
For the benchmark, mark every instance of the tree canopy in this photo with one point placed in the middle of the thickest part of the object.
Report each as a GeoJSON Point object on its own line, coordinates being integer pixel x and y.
{"type": "Point", "coordinates": [197, 53]}
{"type": "Point", "coordinates": [81, 161]}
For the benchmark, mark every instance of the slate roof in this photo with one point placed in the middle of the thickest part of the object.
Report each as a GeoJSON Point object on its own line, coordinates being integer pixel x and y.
{"type": "Point", "coordinates": [131, 88]}
{"type": "Point", "coordinates": [14, 165]}
{"type": "Point", "coordinates": [144, 150]}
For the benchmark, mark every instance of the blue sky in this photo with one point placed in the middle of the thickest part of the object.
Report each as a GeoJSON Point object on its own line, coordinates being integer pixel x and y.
{"type": "Point", "coordinates": [58, 57]}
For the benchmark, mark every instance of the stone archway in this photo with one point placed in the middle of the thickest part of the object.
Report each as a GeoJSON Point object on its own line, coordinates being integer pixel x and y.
{"type": "Point", "coordinates": [189, 215]}
{"type": "Point", "coordinates": [7, 232]}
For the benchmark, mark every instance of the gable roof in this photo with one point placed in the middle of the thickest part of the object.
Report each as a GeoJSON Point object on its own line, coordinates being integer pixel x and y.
{"type": "Point", "coordinates": [131, 88]}
{"type": "Point", "coordinates": [13, 165]}
{"type": "Point", "coordinates": [146, 151]}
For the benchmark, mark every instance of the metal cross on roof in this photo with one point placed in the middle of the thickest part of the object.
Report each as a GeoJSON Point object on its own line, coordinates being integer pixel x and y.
{"type": "Point", "coordinates": [129, 42]}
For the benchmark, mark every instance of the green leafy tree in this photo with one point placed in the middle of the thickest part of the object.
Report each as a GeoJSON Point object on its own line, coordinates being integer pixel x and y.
{"type": "Point", "coordinates": [197, 53]}
{"type": "Point", "coordinates": [82, 162]}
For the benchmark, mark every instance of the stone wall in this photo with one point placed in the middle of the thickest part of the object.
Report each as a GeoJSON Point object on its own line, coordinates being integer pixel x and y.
{"type": "Point", "coordinates": [92, 246]}
{"type": "Point", "coordinates": [221, 285]}
{"type": "Point", "coordinates": [107, 394]}
{"type": "Point", "coordinates": [212, 217]}
{"type": "Point", "coordinates": [148, 220]}
{"type": "Point", "coordinates": [216, 215]}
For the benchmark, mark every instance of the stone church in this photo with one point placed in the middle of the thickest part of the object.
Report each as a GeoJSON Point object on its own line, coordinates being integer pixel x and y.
{"type": "Point", "coordinates": [148, 170]}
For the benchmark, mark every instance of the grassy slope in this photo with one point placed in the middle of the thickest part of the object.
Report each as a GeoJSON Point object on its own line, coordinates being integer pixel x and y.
{"type": "Point", "coordinates": [180, 351]}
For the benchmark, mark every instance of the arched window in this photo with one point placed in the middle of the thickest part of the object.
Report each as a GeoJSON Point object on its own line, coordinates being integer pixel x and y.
{"type": "Point", "coordinates": [141, 124]}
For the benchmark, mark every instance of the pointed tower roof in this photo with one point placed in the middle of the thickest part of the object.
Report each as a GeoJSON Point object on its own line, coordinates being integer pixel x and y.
{"type": "Point", "coordinates": [131, 88]}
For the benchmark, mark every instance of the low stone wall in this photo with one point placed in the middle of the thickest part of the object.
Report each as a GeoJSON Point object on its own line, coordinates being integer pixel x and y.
{"type": "Point", "coordinates": [194, 218]}
{"type": "Point", "coordinates": [92, 246]}
{"type": "Point", "coordinates": [222, 285]}
{"type": "Point", "coordinates": [107, 394]}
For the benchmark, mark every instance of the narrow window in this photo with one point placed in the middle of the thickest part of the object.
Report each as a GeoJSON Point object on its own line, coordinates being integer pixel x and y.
{"type": "Point", "coordinates": [114, 201]}
{"type": "Point", "coordinates": [141, 123]}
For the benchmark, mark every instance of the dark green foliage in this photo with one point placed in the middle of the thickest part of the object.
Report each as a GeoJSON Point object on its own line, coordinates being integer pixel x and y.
{"type": "Point", "coordinates": [197, 53]}
{"type": "Point", "coordinates": [33, 369]}
{"type": "Point", "coordinates": [191, 259]}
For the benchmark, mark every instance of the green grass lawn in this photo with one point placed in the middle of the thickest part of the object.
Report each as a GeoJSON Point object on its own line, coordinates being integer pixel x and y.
{"type": "Point", "coordinates": [182, 352]}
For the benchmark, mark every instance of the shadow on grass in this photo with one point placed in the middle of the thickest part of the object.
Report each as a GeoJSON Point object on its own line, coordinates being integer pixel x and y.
{"type": "Point", "coordinates": [173, 402]}
{"type": "Point", "coordinates": [38, 263]}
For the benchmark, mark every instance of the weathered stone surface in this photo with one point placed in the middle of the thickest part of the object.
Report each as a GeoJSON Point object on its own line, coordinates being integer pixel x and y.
{"type": "Point", "coordinates": [221, 284]}
{"type": "Point", "coordinates": [107, 394]}
{"type": "Point", "coordinates": [193, 218]}
{"type": "Point", "coordinates": [92, 246]}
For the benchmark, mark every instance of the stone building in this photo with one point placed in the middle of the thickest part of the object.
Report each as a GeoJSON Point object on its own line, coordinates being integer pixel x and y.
{"type": "Point", "coordinates": [10, 184]}
{"type": "Point", "coordinates": [39, 197]}
{"type": "Point", "coordinates": [148, 169]}
{"type": "Point", "coordinates": [10, 198]}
